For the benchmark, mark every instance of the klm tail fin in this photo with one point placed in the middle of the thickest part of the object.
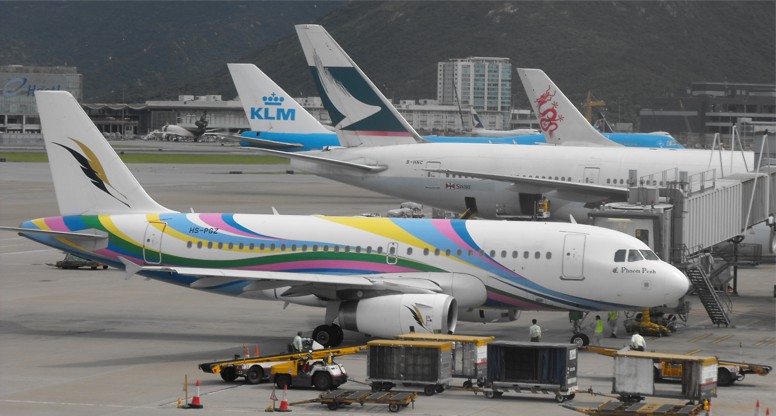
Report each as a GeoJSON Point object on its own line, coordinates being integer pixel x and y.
{"type": "Point", "coordinates": [89, 178]}
{"type": "Point", "coordinates": [559, 120]}
{"type": "Point", "coordinates": [360, 113]}
{"type": "Point", "coordinates": [267, 106]}
{"type": "Point", "coordinates": [476, 122]}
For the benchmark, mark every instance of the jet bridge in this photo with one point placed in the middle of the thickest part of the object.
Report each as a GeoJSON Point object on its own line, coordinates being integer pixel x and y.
{"type": "Point", "coordinates": [686, 218]}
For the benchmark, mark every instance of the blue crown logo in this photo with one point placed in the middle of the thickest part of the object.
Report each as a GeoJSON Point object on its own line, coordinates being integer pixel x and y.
{"type": "Point", "coordinates": [272, 99]}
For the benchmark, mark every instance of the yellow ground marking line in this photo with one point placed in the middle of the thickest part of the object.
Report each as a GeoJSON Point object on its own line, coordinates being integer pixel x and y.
{"type": "Point", "coordinates": [700, 337]}
{"type": "Point", "coordinates": [718, 340]}
{"type": "Point", "coordinates": [695, 351]}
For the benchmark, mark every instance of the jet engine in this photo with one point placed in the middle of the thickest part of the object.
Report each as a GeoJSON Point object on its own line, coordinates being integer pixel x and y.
{"type": "Point", "coordinates": [387, 316]}
{"type": "Point", "coordinates": [488, 316]}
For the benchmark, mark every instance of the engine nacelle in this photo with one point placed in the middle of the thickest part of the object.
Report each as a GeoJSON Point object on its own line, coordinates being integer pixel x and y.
{"type": "Point", "coordinates": [388, 316]}
{"type": "Point", "coordinates": [488, 316]}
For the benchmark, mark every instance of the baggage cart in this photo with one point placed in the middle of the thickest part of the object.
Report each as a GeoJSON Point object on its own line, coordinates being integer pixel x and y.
{"type": "Point", "coordinates": [532, 367]}
{"type": "Point", "coordinates": [470, 354]}
{"type": "Point", "coordinates": [423, 363]}
{"type": "Point", "coordinates": [634, 376]}
{"type": "Point", "coordinates": [395, 400]}
{"type": "Point", "coordinates": [615, 408]}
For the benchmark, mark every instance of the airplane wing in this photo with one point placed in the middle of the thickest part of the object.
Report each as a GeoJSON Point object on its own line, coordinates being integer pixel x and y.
{"type": "Point", "coordinates": [591, 191]}
{"type": "Point", "coordinates": [323, 160]}
{"type": "Point", "coordinates": [301, 284]}
{"type": "Point", "coordinates": [263, 143]}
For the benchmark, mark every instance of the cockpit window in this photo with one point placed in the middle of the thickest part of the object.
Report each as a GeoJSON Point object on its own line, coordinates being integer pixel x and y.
{"type": "Point", "coordinates": [634, 255]}
{"type": "Point", "coordinates": [649, 255]}
{"type": "Point", "coordinates": [619, 255]}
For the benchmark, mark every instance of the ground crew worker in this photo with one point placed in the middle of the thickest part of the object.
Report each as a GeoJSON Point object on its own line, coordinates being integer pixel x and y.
{"type": "Point", "coordinates": [575, 317]}
{"type": "Point", "coordinates": [297, 343]}
{"type": "Point", "coordinates": [599, 330]}
{"type": "Point", "coordinates": [613, 316]}
{"type": "Point", "coordinates": [535, 331]}
{"type": "Point", "coordinates": [637, 342]}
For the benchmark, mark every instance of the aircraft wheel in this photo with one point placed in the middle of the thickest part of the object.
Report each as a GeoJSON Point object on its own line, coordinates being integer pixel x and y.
{"type": "Point", "coordinates": [228, 374]}
{"type": "Point", "coordinates": [324, 335]}
{"type": "Point", "coordinates": [580, 340]}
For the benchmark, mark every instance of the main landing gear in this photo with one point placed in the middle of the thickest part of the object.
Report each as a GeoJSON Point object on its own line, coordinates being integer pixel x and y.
{"type": "Point", "coordinates": [328, 335]}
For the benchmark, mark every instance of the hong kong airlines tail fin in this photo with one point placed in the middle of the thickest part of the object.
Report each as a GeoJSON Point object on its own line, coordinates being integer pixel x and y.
{"type": "Point", "coordinates": [89, 178]}
{"type": "Point", "coordinates": [560, 122]}
{"type": "Point", "coordinates": [360, 113]}
{"type": "Point", "coordinates": [267, 106]}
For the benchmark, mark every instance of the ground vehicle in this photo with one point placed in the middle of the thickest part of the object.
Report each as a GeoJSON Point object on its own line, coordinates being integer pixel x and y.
{"type": "Point", "coordinates": [71, 261]}
{"type": "Point", "coordinates": [258, 369]}
{"type": "Point", "coordinates": [321, 374]}
{"type": "Point", "coordinates": [728, 372]}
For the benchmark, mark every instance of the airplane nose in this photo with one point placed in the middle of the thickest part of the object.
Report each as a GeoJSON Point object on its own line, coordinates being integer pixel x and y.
{"type": "Point", "coordinates": [678, 284]}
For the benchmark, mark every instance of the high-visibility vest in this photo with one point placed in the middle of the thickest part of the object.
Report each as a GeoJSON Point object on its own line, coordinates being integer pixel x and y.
{"type": "Point", "coordinates": [613, 316]}
{"type": "Point", "coordinates": [599, 326]}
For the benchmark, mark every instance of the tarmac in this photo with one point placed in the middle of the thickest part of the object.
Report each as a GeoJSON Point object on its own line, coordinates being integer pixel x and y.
{"type": "Point", "coordinates": [83, 342]}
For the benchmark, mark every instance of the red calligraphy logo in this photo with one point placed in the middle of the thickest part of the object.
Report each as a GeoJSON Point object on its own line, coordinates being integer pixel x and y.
{"type": "Point", "coordinates": [548, 114]}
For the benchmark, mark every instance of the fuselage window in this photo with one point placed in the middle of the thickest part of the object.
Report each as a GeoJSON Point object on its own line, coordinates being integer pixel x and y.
{"type": "Point", "coordinates": [425, 251]}
{"type": "Point", "coordinates": [220, 246]}
{"type": "Point", "coordinates": [514, 254]}
{"type": "Point", "coordinates": [231, 246]}
{"type": "Point", "coordinates": [368, 249]}
{"type": "Point", "coordinates": [447, 252]}
{"type": "Point", "coordinates": [241, 246]}
{"type": "Point", "coordinates": [336, 249]}
{"type": "Point", "coordinates": [293, 247]}
{"type": "Point", "coordinates": [649, 255]}
{"type": "Point", "coordinates": [252, 246]}
{"type": "Point", "coordinates": [272, 247]}
{"type": "Point", "coordinates": [563, 178]}
{"type": "Point", "coordinates": [469, 253]}
{"type": "Point", "coordinates": [458, 252]}
{"type": "Point", "coordinates": [209, 244]}
{"type": "Point", "coordinates": [304, 247]}
{"type": "Point", "coordinates": [199, 244]}
{"type": "Point", "coordinates": [537, 255]}
{"type": "Point", "coordinates": [548, 255]}
{"type": "Point", "coordinates": [325, 248]}
{"type": "Point", "coordinates": [619, 256]}
{"type": "Point", "coordinates": [436, 251]}
{"type": "Point", "coordinates": [526, 254]}
{"type": "Point", "coordinates": [493, 253]}
{"type": "Point", "coordinates": [261, 246]}
{"type": "Point", "coordinates": [608, 181]}
{"type": "Point", "coordinates": [409, 251]}
{"type": "Point", "coordinates": [481, 253]}
{"type": "Point", "coordinates": [315, 247]}
{"type": "Point", "coordinates": [358, 249]}
{"type": "Point", "coordinates": [282, 247]}
{"type": "Point", "coordinates": [347, 249]}
{"type": "Point", "coordinates": [634, 255]}
{"type": "Point", "coordinates": [380, 250]}
{"type": "Point", "coordinates": [189, 244]}
{"type": "Point", "coordinates": [503, 254]}
{"type": "Point", "coordinates": [392, 250]}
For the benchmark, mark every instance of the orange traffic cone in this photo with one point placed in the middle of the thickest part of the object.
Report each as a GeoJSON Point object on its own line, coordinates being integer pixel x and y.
{"type": "Point", "coordinates": [767, 411]}
{"type": "Point", "coordinates": [284, 403]}
{"type": "Point", "coordinates": [757, 409]}
{"type": "Point", "coordinates": [256, 352]}
{"type": "Point", "coordinates": [195, 402]}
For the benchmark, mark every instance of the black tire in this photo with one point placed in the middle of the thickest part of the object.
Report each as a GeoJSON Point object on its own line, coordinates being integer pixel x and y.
{"type": "Point", "coordinates": [724, 378]}
{"type": "Point", "coordinates": [439, 388]}
{"type": "Point", "coordinates": [254, 375]}
{"type": "Point", "coordinates": [429, 390]}
{"type": "Point", "coordinates": [467, 384]}
{"type": "Point", "coordinates": [580, 340]}
{"type": "Point", "coordinates": [332, 406]}
{"type": "Point", "coordinates": [104, 266]}
{"type": "Point", "coordinates": [322, 381]}
{"type": "Point", "coordinates": [657, 377]}
{"type": "Point", "coordinates": [560, 398]}
{"type": "Point", "coordinates": [376, 386]}
{"type": "Point", "coordinates": [394, 407]}
{"type": "Point", "coordinates": [388, 386]}
{"type": "Point", "coordinates": [499, 393]}
{"type": "Point", "coordinates": [339, 335]}
{"type": "Point", "coordinates": [228, 374]}
{"type": "Point", "coordinates": [282, 381]}
{"type": "Point", "coordinates": [571, 396]}
{"type": "Point", "coordinates": [324, 335]}
{"type": "Point", "coordinates": [490, 394]}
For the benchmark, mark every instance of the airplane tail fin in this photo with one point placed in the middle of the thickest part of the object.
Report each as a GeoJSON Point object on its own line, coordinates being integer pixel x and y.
{"type": "Point", "coordinates": [559, 120]}
{"type": "Point", "coordinates": [476, 121]}
{"type": "Point", "coordinates": [360, 113]}
{"type": "Point", "coordinates": [267, 106]}
{"type": "Point", "coordinates": [89, 178]}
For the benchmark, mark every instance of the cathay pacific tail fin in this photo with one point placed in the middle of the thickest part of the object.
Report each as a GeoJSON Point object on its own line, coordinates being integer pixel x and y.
{"type": "Point", "coordinates": [559, 120]}
{"type": "Point", "coordinates": [361, 114]}
{"type": "Point", "coordinates": [267, 106]}
{"type": "Point", "coordinates": [89, 178]}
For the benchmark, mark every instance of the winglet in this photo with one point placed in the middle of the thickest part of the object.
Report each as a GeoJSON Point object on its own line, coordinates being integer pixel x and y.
{"type": "Point", "coordinates": [130, 268]}
{"type": "Point", "coordinates": [559, 120]}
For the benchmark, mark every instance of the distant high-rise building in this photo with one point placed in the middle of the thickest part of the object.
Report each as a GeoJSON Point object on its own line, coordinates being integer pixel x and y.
{"type": "Point", "coordinates": [483, 83]}
{"type": "Point", "coordinates": [18, 112]}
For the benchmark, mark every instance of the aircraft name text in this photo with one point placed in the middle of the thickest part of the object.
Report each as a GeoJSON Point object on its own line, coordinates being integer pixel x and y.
{"type": "Point", "coordinates": [203, 230]}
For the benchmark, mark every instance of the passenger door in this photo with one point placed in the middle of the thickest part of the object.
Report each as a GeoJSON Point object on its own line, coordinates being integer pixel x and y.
{"type": "Point", "coordinates": [574, 256]}
{"type": "Point", "coordinates": [152, 242]}
{"type": "Point", "coordinates": [433, 178]}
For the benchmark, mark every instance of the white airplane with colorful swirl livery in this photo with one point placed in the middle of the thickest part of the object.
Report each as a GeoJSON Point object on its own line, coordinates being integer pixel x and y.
{"type": "Point", "coordinates": [378, 276]}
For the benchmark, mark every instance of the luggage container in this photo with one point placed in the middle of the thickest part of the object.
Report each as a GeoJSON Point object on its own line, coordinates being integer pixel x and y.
{"type": "Point", "coordinates": [409, 362]}
{"type": "Point", "coordinates": [470, 354]}
{"type": "Point", "coordinates": [532, 367]}
{"type": "Point", "coordinates": [634, 376]}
